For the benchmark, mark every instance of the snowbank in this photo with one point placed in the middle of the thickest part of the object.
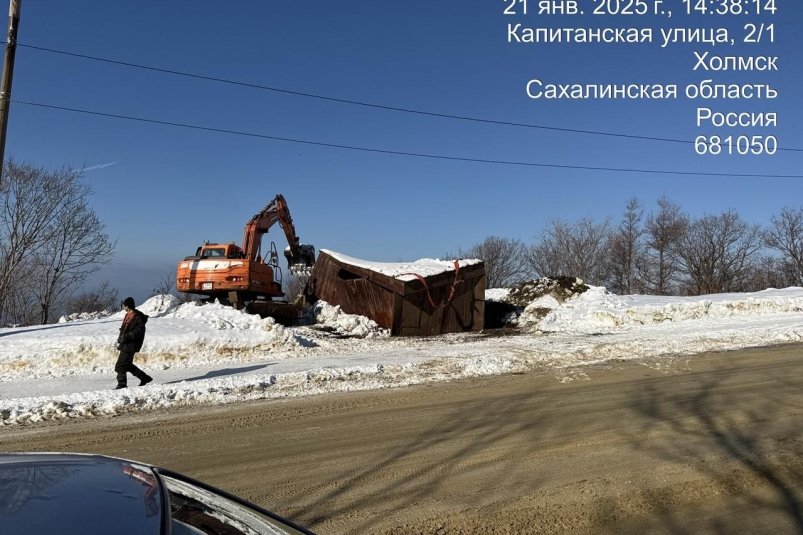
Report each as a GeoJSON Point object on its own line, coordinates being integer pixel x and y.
{"type": "Point", "coordinates": [598, 311]}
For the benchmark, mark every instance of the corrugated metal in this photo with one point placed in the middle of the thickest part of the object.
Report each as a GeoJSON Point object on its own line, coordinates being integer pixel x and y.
{"type": "Point", "coordinates": [404, 306]}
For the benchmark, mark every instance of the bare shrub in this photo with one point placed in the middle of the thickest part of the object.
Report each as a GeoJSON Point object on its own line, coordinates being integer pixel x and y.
{"type": "Point", "coordinates": [104, 297]}
{"type": "Point", "coordinates": [165, 285]}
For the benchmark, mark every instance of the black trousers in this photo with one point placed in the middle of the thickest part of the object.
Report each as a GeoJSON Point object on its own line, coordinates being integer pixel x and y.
{"type": "Point", "coordinates": [125, 364]}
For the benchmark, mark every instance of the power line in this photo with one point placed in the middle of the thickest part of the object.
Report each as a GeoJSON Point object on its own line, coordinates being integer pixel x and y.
{"type": "Point", "coordinates": [395, 152]}
{"type": "Point", "coordinates": [360, 103]}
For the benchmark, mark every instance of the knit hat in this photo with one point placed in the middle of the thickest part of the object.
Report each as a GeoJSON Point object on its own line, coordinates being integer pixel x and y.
{"type": "Point", "coordinates": [128, 302]}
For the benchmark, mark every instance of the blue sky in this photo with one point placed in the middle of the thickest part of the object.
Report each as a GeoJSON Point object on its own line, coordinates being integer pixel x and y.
{"type": "Point", "coordinates": [170, 188]}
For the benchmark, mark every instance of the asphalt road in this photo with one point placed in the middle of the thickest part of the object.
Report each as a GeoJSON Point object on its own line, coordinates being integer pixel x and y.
{"type": "Point", "coordinates": [707, 444]}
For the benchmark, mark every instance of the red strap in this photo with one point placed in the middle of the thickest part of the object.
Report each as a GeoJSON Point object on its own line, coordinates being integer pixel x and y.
{"type": "Point", "coordinates": [426, 288]}
{"type": "Point", "coordinates": [424, 282]}
{"type": "Point", "coordinates": [454, 283]}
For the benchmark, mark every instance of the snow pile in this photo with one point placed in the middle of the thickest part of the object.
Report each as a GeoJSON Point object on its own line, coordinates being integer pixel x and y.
{"type": "Point", "coordinates": [334, 320]}
{"type": "Point", "coordinates": [425, 267]}
{"type": "Point", "coordinates": [217, 316]}
{"type": "Point", "coordinates": [497, 294]}
{"type": "Point", "coordinates": [159, 305]}
{"type": "Point", "coordinates": [189, 334]}
{"type": "Point", "coordinates": [526, 304]}
{"type": "Point", "coordinates": [561, 288]}
{"type": "Point", "coordinates": [84, 316]}
{"type": "Point", "coordinates": [538, 308]}
{"type": "Point", "coordinates": [218, 330]}
{"type": "Point", "coordinates": [598, 311]}
{"type": "Point", "coordinates": [155, 306]}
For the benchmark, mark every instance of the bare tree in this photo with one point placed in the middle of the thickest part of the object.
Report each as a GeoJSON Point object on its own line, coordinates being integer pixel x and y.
{"type": "Point", "coordinates": [785, 235]}
{"type": "Point", "coordinates": [504, 260]}
{"type": "Point", "coordinates": [572, 250]}
{"type": "Point", "coordinates": [719, 252]}
{"type": "Point", "coordinates": [76, 247]}
{"type": "Point", "coordinates": [50, 240]}
{"type": "Point", "coordinates": [31, 199]}
{"type": "Point", "coordinates": [626, 249]}
{"type": "Point", "coordinates": [658, 266]}
{"type": "Point", "coordinates": [19, 303]}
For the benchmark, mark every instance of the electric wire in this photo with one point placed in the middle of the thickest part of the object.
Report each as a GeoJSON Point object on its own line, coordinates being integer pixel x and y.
{"type": "Point", "coordinates": [361, 103]}
{"type": "Point", "coordinates": [395, 152]}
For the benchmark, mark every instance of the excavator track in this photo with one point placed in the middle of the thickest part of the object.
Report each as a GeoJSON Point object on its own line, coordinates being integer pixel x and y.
{"type": "Point", "coordinates": [284, 313]}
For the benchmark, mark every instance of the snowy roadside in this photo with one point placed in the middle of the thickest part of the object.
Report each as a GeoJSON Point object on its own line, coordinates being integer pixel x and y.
{"type": "Point", "coordinates": [213, 355]}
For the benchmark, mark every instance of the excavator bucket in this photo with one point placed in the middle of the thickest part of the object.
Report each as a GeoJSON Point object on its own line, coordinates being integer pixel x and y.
{"type": "Point", "coordinates": [301, 263]}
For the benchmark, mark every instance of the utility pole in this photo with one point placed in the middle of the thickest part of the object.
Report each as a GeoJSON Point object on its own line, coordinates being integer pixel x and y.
{"type": "Point", "coordinates": [8, 73]}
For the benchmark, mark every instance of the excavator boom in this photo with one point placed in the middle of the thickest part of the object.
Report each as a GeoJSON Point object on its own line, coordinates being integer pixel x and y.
{"type": "Point", "coordinates": [299, 256]}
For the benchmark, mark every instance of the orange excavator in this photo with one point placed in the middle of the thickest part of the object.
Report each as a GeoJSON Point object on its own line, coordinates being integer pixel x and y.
{"type": "Point", "coordinates": [240, 275]}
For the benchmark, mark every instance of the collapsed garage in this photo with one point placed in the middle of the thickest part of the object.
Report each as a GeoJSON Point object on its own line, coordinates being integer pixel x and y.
{"type": "Point", "coordinates": [421, 298]}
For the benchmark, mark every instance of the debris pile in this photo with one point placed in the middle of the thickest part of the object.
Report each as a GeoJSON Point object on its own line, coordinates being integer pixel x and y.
{"type": "Point", "coordinates": [561, 288]}
{"type": "Point", "coordinates": [527, 303]}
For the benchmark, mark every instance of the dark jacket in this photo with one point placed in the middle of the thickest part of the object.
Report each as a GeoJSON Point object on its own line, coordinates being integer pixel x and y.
{"type": "Point", "coordinates": [132, 335]}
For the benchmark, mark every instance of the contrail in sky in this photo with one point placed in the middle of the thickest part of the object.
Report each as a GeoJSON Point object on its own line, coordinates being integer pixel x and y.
{"type": "Point", "coordinates": [99, 166]}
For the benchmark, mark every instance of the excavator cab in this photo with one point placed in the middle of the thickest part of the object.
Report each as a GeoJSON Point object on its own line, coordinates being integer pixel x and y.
{"type": "Point", "coordinates": [300, 264]}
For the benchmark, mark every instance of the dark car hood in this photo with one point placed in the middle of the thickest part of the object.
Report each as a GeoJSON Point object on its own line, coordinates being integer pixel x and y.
{"type": "Point", "coordinates": [81, 494]}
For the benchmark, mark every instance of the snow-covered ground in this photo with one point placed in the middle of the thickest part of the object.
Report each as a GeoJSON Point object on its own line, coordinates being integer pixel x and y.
{"type": "Point", "coordinates": [211, 354]}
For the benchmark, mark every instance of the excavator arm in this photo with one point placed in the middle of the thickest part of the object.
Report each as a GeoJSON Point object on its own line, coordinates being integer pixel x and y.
{"type": "Point", "coordinates": [300, 257]}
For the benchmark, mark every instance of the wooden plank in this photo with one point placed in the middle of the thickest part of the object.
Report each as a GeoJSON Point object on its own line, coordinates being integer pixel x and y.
{"type": "Point", "coordinates": [380, 279]}
{"type": "Point", "coordinates": [447, 317]}
{"type": "Point", "coordinates": [423, 318]}
{"type": "Point", "coordinates": [355, 296]}
{"type": "Point", "coordinates": [479, 304]}
{"type": "Point", "coordinates": [411, 316]}
{"type": "Point", "coordinates": [398, 301]}
{"type": "Point", "coordinates": [436, 325]}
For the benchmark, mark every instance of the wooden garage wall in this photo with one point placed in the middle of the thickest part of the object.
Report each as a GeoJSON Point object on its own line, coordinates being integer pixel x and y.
{"type": "Point", "coordinates": [361, 295]}
{"type": "Point", "coordinates": [465, 312]}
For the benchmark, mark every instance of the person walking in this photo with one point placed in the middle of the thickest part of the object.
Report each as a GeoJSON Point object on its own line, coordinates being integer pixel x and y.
{"type": "Point", "coordinates": [132, 335]}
